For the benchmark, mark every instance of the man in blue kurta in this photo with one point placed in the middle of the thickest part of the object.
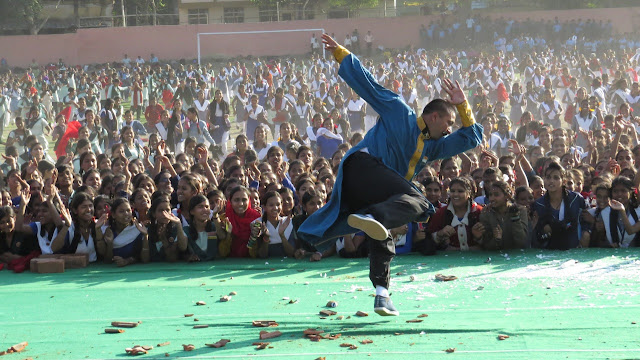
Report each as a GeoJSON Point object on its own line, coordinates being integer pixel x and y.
{"type": "Point", "coordinates": [373, 190]}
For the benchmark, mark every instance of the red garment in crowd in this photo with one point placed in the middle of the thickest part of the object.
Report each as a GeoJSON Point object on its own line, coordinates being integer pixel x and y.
{"type": "Point", "coordinates": [67, 113]}
{"type": "Point", "coordinates": [444, 217]}
{"type": "Point", "coordinates": [71, 133]}
{"type": "Point", "coordinates": [21, 264]}
{"type": "Point", "coordinates": [240, 229]}
{"type": "Point", "coordinates": [167, 98]}
{"type": "Point", "coordinates": [570, 113]}
{"type": "Point", "coordinates": [153, 114]}
{"type": "Point", "coordinates": [502, 93]}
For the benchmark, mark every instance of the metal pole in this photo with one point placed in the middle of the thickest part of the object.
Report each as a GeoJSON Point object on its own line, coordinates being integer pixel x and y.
{"type": "Point", "coordinates": [124, 17]}
{"type": "Point", "coordinates": [324, 56]}
{"type": "Point", "coordinates": [199, 50]}
{"type": "Point", "coordinates": [278, 10]}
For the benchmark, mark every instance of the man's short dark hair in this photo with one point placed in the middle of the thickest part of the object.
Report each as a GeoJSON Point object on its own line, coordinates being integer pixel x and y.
{"type": "Point", "coordinates": [441, 106]}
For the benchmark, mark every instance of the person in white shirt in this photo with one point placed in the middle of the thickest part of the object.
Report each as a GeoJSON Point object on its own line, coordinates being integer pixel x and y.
{"type": "Point", "coordinates": [368, 39]}
{"type": "Point", "coordinates": [347, 41]}
{"type": "Point", "coordinates": [79, 114]}
{"type": "Point", "coordinates": [470, 23]}
{"type": "Point", "coordinates": [620, 95]}
{"type": "Point", "coordinates": [550, 110]}
{"type": "Point", "coordinates": [355, 41]}
{"type": "Point", "coordinates": [38, 126]}
{"type": "Point", "coordinates": [585, 120]}
{"type": "Point", "coordinates": [314, 43]}
{"type": "Point", "coordinates": [126, 61]}
{"type": "Point", "coordinates": [598, 91]}
{"type": "Point", "coordinates": [356, 108]}
{"type": "Point", "coordinates": [499, 141]}
{"type": "Point", "coordinates": [201, 105]}
{"type": "Point", "coordinates": [492, 84]}
{"type": "Point", "coordinates": [255, 115]}
{"type": "Point", "coordinates": [71, 100]}
{"type": "Point", "coordinates": [301, 112]}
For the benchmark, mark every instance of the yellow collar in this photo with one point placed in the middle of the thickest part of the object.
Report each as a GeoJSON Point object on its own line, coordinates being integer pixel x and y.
{"type": "Point", "coordinates": [423, 127]}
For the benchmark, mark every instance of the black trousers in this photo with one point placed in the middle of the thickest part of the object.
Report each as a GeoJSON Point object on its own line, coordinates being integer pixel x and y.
{"type": "Point", "coordinates": [370, 187]}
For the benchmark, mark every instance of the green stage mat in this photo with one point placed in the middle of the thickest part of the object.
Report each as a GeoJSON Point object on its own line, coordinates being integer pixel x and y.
{"type": "Point", "coordinates": [580, 304]}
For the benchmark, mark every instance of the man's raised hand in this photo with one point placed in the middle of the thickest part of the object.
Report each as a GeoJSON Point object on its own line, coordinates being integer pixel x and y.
{"type": "Point", "coordinates": [456, 95]}
{"type": "Point", "coordinates": [329, 43]}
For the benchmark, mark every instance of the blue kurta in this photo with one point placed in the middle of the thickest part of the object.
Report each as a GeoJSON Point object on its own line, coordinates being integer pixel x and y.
{"type": "Point", "coordinates": [396, 139]}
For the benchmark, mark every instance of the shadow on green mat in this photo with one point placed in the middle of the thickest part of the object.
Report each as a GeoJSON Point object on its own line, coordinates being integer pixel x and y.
{"type": "Point", "coordinates": [266, 269]}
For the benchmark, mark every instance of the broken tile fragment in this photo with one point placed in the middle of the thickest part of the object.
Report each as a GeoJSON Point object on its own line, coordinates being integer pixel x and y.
{"type": "Point", "coordinates": [441, 277]}
{"type": "Point", "coordinates": [327, 312]}
{"type": "Point", "coordinates": [219, 344]}
{"type": "Point", "coordinates": [264, 335]}
{"type": "Point", "coordinates": [264, 323]}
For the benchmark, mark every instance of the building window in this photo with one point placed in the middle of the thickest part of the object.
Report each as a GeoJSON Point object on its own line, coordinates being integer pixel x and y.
{"type": "Point", "coordinates": [338, 14]}
{"type": "Point", "coordinates": [233, 15]}
{"type": "Point", "coordinates": [268, 14]}
{"type": "Point", "coordinates": [198, 16]}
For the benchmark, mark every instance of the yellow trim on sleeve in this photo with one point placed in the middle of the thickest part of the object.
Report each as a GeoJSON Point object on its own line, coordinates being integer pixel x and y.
{"type": "Point", "coordinates": [466, 114]}
{"type": "Point", "coordinates": [340, 53]}
{"type": "Point", "coordinates": [415, 158]}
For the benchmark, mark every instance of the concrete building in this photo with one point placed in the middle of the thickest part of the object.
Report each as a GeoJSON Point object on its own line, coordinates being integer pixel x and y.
{"type": "Point", "coordinates": [244, 11]}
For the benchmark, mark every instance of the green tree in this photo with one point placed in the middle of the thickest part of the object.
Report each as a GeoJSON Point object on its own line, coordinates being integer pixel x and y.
{"type": "Point", "coordinates": [136, 7]}
{"type": "Point", "coordinates": [574, 4]}
{"type": "Point", "coordinates": [354, 4]}
{"type": "Point", "coordinates": [30, 12]}
{"type": "Point", "coordinates": [303, 5]}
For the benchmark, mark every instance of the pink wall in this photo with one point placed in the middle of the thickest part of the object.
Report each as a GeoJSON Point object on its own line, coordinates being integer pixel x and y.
{"type": "Point", "coordinates": [175, 42]}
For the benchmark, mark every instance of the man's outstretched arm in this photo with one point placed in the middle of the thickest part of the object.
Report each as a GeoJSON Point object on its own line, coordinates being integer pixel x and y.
{"type": "Point", "coordinates": [459, 100]}
{"type": "Point", "coordinates": [467, 137]}
{"type": "Point", "coordinates": [360, 79]}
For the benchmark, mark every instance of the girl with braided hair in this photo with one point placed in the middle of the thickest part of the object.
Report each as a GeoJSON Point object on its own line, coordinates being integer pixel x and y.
{"type": "Point", "coordinates": [197, 128]}
{"type": "Point", "coordinates": [120, 238]}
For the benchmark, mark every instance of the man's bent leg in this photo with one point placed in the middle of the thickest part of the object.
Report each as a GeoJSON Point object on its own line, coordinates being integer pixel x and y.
{"type": "Point", "coordinates": [371, 187]}
{"type": "Point", "coordinates": [401, 209]}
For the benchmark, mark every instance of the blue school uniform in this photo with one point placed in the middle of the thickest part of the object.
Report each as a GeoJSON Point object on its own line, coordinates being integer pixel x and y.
{"type": "Point", "coordinates": [566, 232]}
{"type": "Point", "coordinates": [397, 139]}
{"type": "Point", "coordinates": [328, 146]}
{"type": "Point", "coordinates": [132, 242]}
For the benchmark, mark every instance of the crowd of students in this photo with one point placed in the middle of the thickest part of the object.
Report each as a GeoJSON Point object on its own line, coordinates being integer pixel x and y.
{"type": "Point", "coordinates": [161, 180]}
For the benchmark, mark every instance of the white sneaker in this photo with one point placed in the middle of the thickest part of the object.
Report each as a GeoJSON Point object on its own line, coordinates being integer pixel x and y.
{"type": "Point", "coordinates": [369, 225]}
